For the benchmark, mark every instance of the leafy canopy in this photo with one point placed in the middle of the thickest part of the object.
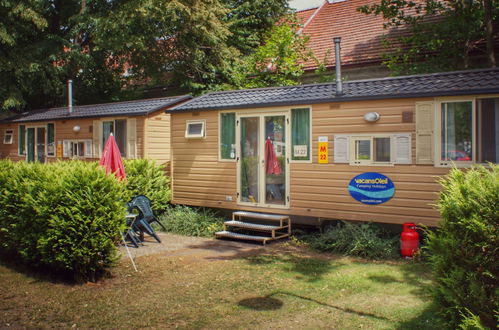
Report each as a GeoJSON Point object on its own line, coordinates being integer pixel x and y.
{"type": "Point", "coordinates": [442, 35]}
{"type": "Point", "coordinates": [107, 47]}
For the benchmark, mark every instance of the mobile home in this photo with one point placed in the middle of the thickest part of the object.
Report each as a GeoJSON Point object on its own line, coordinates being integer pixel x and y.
{"type": "Point", "coordinates": [141, 128]}
{"type": "Point", "coordinates": [372, 151]}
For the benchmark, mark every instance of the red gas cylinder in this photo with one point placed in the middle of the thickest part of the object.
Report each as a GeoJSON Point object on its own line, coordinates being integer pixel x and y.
{"type": "Point", "coordinates": [409, 240]}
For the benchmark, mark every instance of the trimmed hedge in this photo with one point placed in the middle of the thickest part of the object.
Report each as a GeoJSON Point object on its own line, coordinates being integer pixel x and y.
{"type": "Point", "coordinates": [144, 177]}
{"type": "Point", "coordinates": [65, 216]}
{"type": "Point", "coordinates": [464, 250]}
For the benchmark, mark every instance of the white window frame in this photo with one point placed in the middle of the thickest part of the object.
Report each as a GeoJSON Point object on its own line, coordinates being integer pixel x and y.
{"type": "Point", "coordinates": [220, 159]}
{"type": "Point", "coordinates": [201, 135]}
{"type": "Point", "coordinates": [47, 139]}
{"type": "Point", "coordinates": [438, 133]}
{"type": "Point", "coordinates": [8, 136]}
{"type": "Point", "coordinates": [303, 161]}
{"type": "Point", "coordinates": [101, 127]}
{"type": "Point", "coordinates": [370, 137]}
{"type": "Point", "coordinates": [88, 144]}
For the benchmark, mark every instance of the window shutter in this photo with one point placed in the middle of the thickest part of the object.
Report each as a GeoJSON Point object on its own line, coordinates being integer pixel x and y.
{"type": "Point", "coordinates": [131, 135]}
{"type": "Point", "coordinates": [88, 148]}
{"type": "Point", "coordinates": [97, 138]}
{"type": "Point", "coordinates": [402, 153]}
{"type": "Point", "coordinates": [341, 149]}
{"type": "Point", "coordinates": [424, 132]}
{"type": "Point", "coordinates": [66, 146]}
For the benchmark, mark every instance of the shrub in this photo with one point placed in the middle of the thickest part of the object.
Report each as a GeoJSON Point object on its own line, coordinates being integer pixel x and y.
{"type": "Point", "coordinates": [355, 239]}
{"type": "Point", "coordinates": [144, 177]}
{"type": "Point", "coordinates": [65, 216]}
{"type": "Point", "coordinates": [463, 251]}
{"type": "Point", "coordinates": [190, 221]}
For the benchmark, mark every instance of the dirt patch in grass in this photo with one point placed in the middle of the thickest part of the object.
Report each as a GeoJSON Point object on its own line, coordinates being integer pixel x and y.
{"type": "Point", "coordinates": [205, 284]}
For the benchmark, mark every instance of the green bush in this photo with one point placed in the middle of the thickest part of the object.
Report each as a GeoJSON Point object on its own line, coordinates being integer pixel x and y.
{"type": "Point", "coordinates": [190, 221]}
{"type": "Point", "coordinates": [65, 216]}
{"type": "Point", "coordinates": [463, 251]}
{"type": "Point", "coordinates": [355, 239]}
{"type": "Point", "coordinates": [144, 177]}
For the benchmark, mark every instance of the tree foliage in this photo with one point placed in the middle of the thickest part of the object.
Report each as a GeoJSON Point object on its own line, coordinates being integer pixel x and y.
{"type": "Point", "coordinates": [443, 35]}
{"type": "Point", "coordinates": [107, 47]}
{"type": "Point", "coordinates": [278, 61]}
{"type": "Point", "coordinates": [251, 20]}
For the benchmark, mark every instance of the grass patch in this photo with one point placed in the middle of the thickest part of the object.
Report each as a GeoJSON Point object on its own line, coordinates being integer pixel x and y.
{"type": "Point", "coordinates": [190, 221]}
{"type": "Point", "coordinates": [283, 286]}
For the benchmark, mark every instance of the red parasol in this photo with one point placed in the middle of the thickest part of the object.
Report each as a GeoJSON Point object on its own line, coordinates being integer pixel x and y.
{"type": "Point", "coordinates": [271, 161]}
{"type": "Point", "coordinates": [111, 159]}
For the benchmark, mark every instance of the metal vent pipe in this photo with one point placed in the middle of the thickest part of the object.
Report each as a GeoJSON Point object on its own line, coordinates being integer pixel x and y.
{"type": "Point", "coordinates": [337, 53]}
{"type": "Point", "coordinates": [70, 95]}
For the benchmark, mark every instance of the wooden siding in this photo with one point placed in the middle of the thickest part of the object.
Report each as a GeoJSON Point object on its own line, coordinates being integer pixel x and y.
{"type": "Point", "coordinates": [157, 137]}
{"type": "Point", "coordinates": [316, 190]}
{"type": "Point", "coordinates": [64, 131]}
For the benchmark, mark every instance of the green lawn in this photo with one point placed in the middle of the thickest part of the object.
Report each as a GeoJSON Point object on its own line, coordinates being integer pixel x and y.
{"type": "Point", "coordinates": [286, 287]}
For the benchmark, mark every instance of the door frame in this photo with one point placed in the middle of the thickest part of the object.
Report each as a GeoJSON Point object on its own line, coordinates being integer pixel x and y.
{"type": "Point", "coordinates": [261, 148]}
{"type": "Point", "coordinates": [35, 136]}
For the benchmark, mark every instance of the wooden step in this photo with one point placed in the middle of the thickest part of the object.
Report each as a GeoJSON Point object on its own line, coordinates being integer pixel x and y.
{"type": "Point", "coordinates": [254, 226]}
{"type": "Point", "coordinates": [261, 216]}
{"type": "Point", "coordinates": [230, 234]}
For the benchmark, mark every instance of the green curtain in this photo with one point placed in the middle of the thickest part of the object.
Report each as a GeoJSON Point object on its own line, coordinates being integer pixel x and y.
{"type": "Point", "coordinates": [300, 131]}
{"type": "Point", "coordinates": [22, 140]}
{"type": "Point", "coordinates": [50, 140]}
{"type": "Point", "coordinates": [107, 129]}
{"type": "Point", "coordinates": [227, 135]}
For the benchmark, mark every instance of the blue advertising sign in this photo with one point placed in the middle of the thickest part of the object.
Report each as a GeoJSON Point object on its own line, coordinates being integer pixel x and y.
{"type": "Point", "coordinates": [371, 188]}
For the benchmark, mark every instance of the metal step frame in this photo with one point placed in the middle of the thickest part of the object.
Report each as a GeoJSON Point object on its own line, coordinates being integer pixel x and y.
{"type": "Point", "coordinates": [240, 220]}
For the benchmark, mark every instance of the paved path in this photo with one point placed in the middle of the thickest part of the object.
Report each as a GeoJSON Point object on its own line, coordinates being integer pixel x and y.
{"type": "Point", "coordinates": [204, 248]}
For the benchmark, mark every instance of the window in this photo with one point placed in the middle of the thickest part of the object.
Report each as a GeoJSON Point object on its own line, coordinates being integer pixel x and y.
{"type": "Point", "coordinates": [77, 148]}
{"type": "Point", "coordinates": [227, 135]}
{"type": "Point", "coordinates": [50, 140]}
{"type": "Point", "coordinates": [22, 140]}
{"type": "Point", "coordinates": [300, 134]}
{"type": "Point", "coordinates": [119, 130]}
{"type": "Point", "coordinates": [468, 132]}
{"type": "Point", "coordinates": [373, 149]}
{"type": "Point", "coordinates": [195, 129]}
{"type": "Point", "coordinates": [8, 136]}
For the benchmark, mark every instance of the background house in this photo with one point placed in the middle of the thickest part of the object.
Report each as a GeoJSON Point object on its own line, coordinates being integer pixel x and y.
{"type": "Point", "coordinates": [141, 128]}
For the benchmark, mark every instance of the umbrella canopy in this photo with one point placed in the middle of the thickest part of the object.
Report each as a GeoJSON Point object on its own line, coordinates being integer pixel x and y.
{"type": "Point", "coordinates": [271, 161]}
{"type": "Point", "coordinates": [111, 159]}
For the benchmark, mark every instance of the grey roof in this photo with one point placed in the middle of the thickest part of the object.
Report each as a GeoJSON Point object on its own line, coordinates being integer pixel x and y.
{"type": "Point", "coordinates": [483, 81]}
{"type": "Point", "coordinates": [126, 108]}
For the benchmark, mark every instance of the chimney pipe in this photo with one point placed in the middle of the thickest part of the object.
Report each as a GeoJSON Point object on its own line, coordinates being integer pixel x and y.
{"type": "Point", "coordinates": [70, 96]}
{"type": "Point", "coordinates": [337, 53]}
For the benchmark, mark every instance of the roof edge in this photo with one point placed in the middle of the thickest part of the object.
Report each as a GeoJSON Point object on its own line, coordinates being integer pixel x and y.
{"type": "Point", "coordinates": [343, 99]}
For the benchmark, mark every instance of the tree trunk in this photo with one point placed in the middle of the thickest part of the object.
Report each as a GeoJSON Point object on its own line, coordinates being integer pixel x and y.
{"type": "Point", "coordinates": [489, 28]}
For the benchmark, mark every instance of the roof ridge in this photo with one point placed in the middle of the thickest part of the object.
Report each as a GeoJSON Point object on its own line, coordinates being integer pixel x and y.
{"type": "Point", "coordinates": [346, 82]}
{"type": "Point", "coordinates": [316, 12]}
{"type": "Point", "coordinates": [117, 102]}
{"type": "Point", "coordinates": [446, 73]}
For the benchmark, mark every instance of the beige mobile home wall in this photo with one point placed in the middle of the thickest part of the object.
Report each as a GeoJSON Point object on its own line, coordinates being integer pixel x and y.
{"type": "Point", "coordinates": [157, 138]}
{"type": "Point", "coordinates": [64, 131]}
{"type": "Point", "coordinates": [316, 190]}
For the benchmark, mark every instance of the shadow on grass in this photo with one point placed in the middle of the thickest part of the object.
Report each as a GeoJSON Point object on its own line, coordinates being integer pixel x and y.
{"type": "Point", "coordinates": [37, 273]}
{"type": "Point", "coordinates": [269, 302]}
{"type": "Point", "coordinates": [307, 268]}
{"type": "Point", "coordinates": [427, 319]}
{"type": "Point", "coordinates": [417, 275]}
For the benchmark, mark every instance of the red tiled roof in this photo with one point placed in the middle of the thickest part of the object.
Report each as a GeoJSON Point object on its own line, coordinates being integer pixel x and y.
{"type": "Point", "coordinates": [360, 34]}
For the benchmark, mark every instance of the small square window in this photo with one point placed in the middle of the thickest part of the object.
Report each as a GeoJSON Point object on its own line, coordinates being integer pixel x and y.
{"type": "Point", "coordinates": [195, 129]}
{"type": "Point", "coordinates": [8, 136]}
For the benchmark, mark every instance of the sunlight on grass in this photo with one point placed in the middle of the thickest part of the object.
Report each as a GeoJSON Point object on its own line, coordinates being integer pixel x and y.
{"type": "Point", "coordinates": [282, 288]}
